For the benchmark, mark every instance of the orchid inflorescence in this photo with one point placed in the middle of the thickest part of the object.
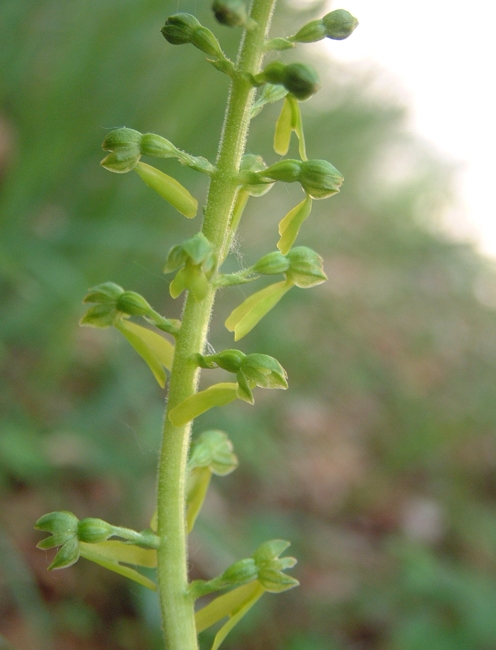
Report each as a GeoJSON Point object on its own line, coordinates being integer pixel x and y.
{"type": "Point", "coordinates": [178, 347]}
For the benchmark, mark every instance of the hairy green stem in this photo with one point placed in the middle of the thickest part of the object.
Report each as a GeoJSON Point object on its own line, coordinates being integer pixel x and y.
{"type": "Point", "coordinates": [176, 605]}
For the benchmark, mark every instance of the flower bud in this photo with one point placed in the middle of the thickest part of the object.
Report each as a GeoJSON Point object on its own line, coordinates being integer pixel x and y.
{"type": "Point", "coordinates": [264, 371]}
{"type": "Point", "coordinates": [320, 179]}
{"type": "Point", "coordinates": [305, 267]}
{"type": "Point", "coordinates": [157, 146]}
{"type": "Point", "coordinates": [61, 522]}
{"type": "Point", "coordinates": [104, 294]}
{"type": "Point", "coordinates": [121, 139]}
{"type": "Point", "coordinates": [93, 531]}
{"type": "Point", "coordinates": [301, 80]}
{"type": "Point", "coordinates": [133, 304]}
{"type": "Point", "coordinates": [179, 28]}
{"type": "Point", "coordinates": [339, 24]}
{"type": "Point", "coordinates": [184, 28]}
{"type": "Point", "coordinates": [271, 264]}
{"type": "Point", "coordinates": [231, 13]}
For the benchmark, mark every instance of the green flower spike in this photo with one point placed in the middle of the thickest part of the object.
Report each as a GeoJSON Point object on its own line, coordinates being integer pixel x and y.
{"type": "Point", "coordinates": [195, 261]}
{"type": "Point", "coordinates": [211, 453]}
{"type": "Point", "coordinates": [169, 189]}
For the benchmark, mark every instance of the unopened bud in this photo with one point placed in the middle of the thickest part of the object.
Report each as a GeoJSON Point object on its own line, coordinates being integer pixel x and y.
{"type": "Point", "coordinates": [264, 371]}
{"type": "Point", "coordinates": [61, 522]}
{"type": "Point", "coordinates": [121, 139]}
{"type": "Point", "coordinates": [320, 179]}
{"type": "Point", "coordinates": [231, 13]}
{"type": "Point", "coordinates": [179, 28]}
{"type": "Point", "coordinates": [301, 80]}
{"type": "Point", "coordinates": [339, 24]}
{"type": "Point", "coordinates": [305, 267]}
{"type": "Point", "coordinates": [185, 28]}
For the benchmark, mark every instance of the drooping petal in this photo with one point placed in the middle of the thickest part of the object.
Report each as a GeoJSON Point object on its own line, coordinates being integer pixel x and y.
{"type": "Point", "coordinates": [216, 395]}
{"type": "Point", "coordinates": [289, 227]}
{"type": "Point", "coordinates": [169, 189]}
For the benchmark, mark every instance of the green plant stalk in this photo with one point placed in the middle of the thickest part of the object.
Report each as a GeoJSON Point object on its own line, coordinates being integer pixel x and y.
{"type": "Point", "coordinates": [177, 606]}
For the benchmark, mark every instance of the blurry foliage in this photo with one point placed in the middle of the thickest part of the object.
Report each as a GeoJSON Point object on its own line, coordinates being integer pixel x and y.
{"type": "Point", "coordinates": [380, 464]}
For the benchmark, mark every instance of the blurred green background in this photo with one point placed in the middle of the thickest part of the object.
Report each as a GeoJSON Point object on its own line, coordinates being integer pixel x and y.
{"type": "Point", "coordinates": [379, 463]}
